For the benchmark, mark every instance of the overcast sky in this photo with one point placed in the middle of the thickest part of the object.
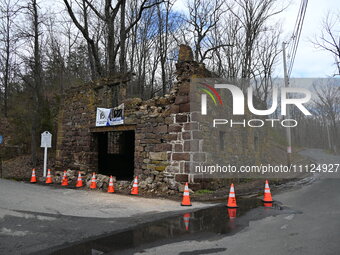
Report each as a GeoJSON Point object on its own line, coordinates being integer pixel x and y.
{"type": "Point", "coordinates": [309, 62]}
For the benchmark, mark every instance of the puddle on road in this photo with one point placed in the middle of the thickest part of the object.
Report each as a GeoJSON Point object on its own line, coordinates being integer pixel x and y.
{"type": "Point", "coordinates": [213, 222]}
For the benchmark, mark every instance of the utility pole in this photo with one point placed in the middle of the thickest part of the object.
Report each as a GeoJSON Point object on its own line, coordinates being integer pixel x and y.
{"type": "Point", "coordinates": [286, 79]}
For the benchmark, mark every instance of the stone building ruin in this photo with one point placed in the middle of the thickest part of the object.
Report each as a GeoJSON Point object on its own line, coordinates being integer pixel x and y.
{"type": "Point", "coordinates": [158, 141]}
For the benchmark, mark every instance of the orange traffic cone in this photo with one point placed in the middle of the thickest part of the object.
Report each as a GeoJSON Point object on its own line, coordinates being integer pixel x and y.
{"type": "Point", "coordinates": [232, 198]}
{"type": "Point", "coordinates": [268, 205]}
{"type": "Point", "coordinates": [79, 181]}
{"type": "Point", "coordinates": [49, 178]}
{"type": "Point", "coordinates": [267, 197]}
{"type": "Point", "coordinates": [111, 188]}
{"type": "Point", "coordinates": [186, 219]}
{"type": "Point", "coordinates": [33, 178]}
{"type": "Point", "coordinates": [64, 182]}
{"type": "Point", "coordinates": [93, 182]}
{"type": "Point", "coordinates": [186, 196]}
{"type": "Point", "coordinates": [134, 190]}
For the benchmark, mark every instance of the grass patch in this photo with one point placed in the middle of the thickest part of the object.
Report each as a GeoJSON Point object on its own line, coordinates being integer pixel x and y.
{"type": "Point", "coordinates": [204, 191]}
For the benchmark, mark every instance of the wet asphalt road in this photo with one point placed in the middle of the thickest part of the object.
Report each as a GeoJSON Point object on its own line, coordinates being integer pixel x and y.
{"type": "Point", "coordinates": [36, 218]}
{"type": "Point", "coordinates": [304, 221]}
{"type": "Point", "coordinates": [313, 227]}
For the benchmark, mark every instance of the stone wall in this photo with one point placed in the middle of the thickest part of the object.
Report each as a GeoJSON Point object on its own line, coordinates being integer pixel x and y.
{"type": "Point", "coordinates": [168, 136]}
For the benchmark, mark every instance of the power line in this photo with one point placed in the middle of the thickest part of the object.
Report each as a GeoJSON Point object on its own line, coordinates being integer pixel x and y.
{"type": "Point", "coordinates": [293, 37]}
{"type": "Point", "coordinates": [296, 34]}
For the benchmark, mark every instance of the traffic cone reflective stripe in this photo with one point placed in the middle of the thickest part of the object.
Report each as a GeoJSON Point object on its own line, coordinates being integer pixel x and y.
{"type": "Point", "coordinates": [93, 182]}
{"type": "Point", "coordinates": [232, 198]}
{"type": "Point", "coordinates": [79, 181]}
{"type": "Point", "coordinates": [134, 190]}
{"type": "Point", "coordinates": [49, 178]}
{"type": "Point", "coordinates": [186, 196]}
{"type": "Point", "coordinates": [111, 188]}
{"type": "Point", "coordinates": [267, 197]}
{"type": "Point", "coordinates": [33, 177]}
{"type": "Point", "coordinates": [65, 180]}
{"type": "Point", "coordinates": [186, 219]}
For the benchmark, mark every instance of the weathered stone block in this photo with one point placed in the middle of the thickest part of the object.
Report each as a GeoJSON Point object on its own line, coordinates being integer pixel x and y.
{"type": "Point", "coordinates": [175, 128]}
{"type": "Point", "coordinates": [160, 168]}
{"type": "Point", "coordinates": [170, 137]}
{"type": "Point", "coordinates": [158, 156]}
{"type": "Point", "coordinates": [185, 53]}
{"type": "Point", "coordinates": [174, 108]}
{"type": "Point", "coordinates": [199, 157]}
{"type": "Point", "coordinates": [191, 145]}
{"type": "Point", "coordinates": [168, 120]}
{"type": "Point", "coordinates": [196, 134]}
{"type": "Point", "coordinates": [196, 116]}
{"type": "Point", "coordinates": [184, 89]}
{"type": "Point", "coordinates": [161, 129]}
{"type": "Point", "coordinates": [181, 177]}
{"type": "Point", "coordinates": [182, 100]}
{"type": "Point", "coordinates": [184, 107]}
{"type": "Point", "coordinates": [163, 147]}
{"type": "Point", "coordinates": [191, 126]}
{"type": "Point", "coordinates": [178, 147]}
{"type": "Point", "coordinates": [186, 135]}
{"type": "Point", "coordinates": [181, 118]}
{"type": "Point", "coordinates": [149, 135]}
{"type": "Point", "coordinates": [180, 156]}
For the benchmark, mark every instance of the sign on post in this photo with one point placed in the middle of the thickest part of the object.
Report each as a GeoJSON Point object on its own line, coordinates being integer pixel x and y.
{"type": "Point", "coordinates": [46, 142]}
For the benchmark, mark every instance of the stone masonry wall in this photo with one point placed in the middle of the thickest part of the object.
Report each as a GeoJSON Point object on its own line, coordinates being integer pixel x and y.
{"type": "Point", "coordinates": [167, 134]}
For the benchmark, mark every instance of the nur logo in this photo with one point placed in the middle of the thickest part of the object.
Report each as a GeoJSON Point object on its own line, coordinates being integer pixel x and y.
{"type": "Point", "coordinates": [239, 99]}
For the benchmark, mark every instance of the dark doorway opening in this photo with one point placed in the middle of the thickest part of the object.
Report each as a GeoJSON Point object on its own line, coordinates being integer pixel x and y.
{"type": "Point", "coordinates": [116, 154]}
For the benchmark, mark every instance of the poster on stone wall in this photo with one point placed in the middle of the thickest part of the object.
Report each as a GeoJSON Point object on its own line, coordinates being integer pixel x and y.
{"type": "Point", "coordinates": [117, 115]}
{"type": "Point", "coordinates": [110, 116]}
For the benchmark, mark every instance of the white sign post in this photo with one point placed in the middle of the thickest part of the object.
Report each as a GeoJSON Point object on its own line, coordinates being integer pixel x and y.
{"type": "Point", "coordinates": [46, 142]}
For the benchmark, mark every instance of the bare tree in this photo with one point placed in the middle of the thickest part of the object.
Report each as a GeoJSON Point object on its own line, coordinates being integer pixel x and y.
{"type": "Point", "coordinates": [34, 80]}
{"type": "Point", "coordinates": [204, 16]}
{"type": "Point", "coordinates": [253, 16]}
{"type": "Point", "coordinates": [163, 32]}
{"type": "Point", "coordinates": [266, 56]}
{"type": "Point", "coordinates": [327, 101]}
{"type": "Point", "coordinates": [9, 10]}
{"type": "Point", "coordinates": [84, 29]}
{"type": "Point", "coordinates": [329, 39]}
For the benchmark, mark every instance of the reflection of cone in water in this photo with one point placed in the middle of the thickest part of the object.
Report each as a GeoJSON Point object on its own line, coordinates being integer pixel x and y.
{"type": "Point", "coordinates": [49, 178]}
{"type": "Point", "coordinates": [232, 213]}
{"type": "Point", "coordinates": [134, 190]}
{"type": "Point", "coordinates": [111, 188]}
{"type": "Point", "coordinates": [93, 182]}
{"type": "Point", "coordinates": [232, 198]}
{"type": "Point", "coordinates": [186, 219]}
{"type": "Point", "coordinates": [79, 181]}
{"type": "Point", "coordinates": [64, 182]}
{"type": "Point", "coordinates": [232, 217]}
{"type": "Point", "coordinates": [267, 197]}
{"type": "Point", "coordinates": [33, 178]}
{"type": "Point", "coordinates": [186, 196]}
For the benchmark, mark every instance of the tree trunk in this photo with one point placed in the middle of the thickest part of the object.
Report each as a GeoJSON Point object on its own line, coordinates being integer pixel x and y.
{"type": "Point", "coordinates": [122, 60]}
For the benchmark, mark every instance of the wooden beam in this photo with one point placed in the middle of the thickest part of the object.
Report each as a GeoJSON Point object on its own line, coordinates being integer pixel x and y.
{"type": "Point", "coordinates": [112, 128]}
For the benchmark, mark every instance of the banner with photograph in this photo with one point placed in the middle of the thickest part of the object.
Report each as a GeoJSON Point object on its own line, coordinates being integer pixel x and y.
{"type": "Point", "coordinates": [110, 116]}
